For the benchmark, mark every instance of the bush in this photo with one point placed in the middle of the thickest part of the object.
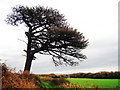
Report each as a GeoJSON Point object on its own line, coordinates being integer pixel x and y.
{"type": "Point", "coordinates": [77, 85]}
{"type": "Point", "coordinates": [46, 78]}
{"type": "Point", "coordinates": [15, 80]}
{"type": "Point", "coordinates": [71, 85]}
{"type": "Point", "coordinates": [59, 81]}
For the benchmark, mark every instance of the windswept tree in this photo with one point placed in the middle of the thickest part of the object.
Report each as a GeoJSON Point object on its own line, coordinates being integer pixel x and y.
{"type": "Point", "coordinates": [48, 34]}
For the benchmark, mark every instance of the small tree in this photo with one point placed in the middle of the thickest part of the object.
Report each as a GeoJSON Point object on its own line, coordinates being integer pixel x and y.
{"type": "Point", "coordinates": [49, 34]}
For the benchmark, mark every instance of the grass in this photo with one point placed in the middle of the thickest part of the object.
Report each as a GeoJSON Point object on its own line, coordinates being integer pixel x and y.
{"type": "Point", "coordinates": [45, 81]}
{"type": "Point", "coordinates": [47, 85]}
{"type": "Point", "coordinates": [102, 83]}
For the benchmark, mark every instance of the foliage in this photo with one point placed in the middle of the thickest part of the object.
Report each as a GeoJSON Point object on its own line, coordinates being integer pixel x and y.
{"type": "Point", "coordinates": [54, 81]}
{"type": "Point", "coordinates": [70, 85]}
{"type": "Point", "coordinates": [59, 81]}
{"type": "Point", "coordinates": [73, 85]}
{"type": "Point", "coordinates": [46, 78]}
{"type": "Point", "coordinates": [16, 80]}
{"type": "Point", "coordinates": [100, 75]}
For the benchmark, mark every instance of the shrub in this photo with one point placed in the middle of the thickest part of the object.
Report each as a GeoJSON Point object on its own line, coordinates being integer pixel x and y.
{"type": "Point", "coordinates": [81, 87]}
{"type": "Point", "coordinates": [15, 80]}
{"type": "Point", "coordinates": [72, 85]}
{"type": "Point", "coordinates": [46, 78]}
{"type": "Point", "coordinates": [59, 81]}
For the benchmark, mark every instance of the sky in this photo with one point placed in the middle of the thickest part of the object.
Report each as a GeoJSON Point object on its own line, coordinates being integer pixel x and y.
{"type": "Point", "coordinates": [96, 19]}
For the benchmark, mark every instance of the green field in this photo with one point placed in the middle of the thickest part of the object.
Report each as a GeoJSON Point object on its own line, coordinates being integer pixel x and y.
{"type": "Point", "coordinates": [88, 83]}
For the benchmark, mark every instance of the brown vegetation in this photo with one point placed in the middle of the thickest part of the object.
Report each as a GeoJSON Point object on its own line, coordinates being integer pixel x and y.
{"type": "Point", "coordinates": [17, 80]}
{"type": "Point", "coordinates": [98, 75]}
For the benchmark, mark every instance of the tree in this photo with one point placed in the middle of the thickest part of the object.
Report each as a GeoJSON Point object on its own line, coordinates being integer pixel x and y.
{"type": "Point", "coordinates": [49, 34]}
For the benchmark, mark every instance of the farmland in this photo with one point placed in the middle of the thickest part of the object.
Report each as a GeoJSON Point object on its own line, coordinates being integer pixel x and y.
{"type": "Point", "coordinates": [81, 83]}
{"type": "Point", "coordinates": [89, 83]}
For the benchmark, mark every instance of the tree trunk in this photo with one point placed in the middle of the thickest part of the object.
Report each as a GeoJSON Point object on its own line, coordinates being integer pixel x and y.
{"type": "Point", "coordinates": [28, 63]}
{"type": "Point", "coordinates": [29, 57]}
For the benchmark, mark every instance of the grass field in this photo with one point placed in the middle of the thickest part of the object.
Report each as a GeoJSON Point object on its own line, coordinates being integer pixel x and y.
{"type": "Point", "coordinates": [88, 83]}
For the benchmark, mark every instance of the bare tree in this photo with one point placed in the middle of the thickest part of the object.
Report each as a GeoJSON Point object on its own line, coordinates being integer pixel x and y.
{"type": "Point", "coordinates": [49, 34]}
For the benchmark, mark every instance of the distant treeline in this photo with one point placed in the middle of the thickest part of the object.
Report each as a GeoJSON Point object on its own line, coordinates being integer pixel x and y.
{"type": "Point", "coordinates": [99, 75]}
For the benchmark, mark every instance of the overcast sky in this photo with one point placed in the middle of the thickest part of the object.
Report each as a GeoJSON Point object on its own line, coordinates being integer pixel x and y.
{"type": "Point", "coordinates": [96, 19]}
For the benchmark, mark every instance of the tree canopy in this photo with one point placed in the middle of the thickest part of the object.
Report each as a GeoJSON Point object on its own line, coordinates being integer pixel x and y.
{"type": "Point", "coordinates": [48, 33]}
